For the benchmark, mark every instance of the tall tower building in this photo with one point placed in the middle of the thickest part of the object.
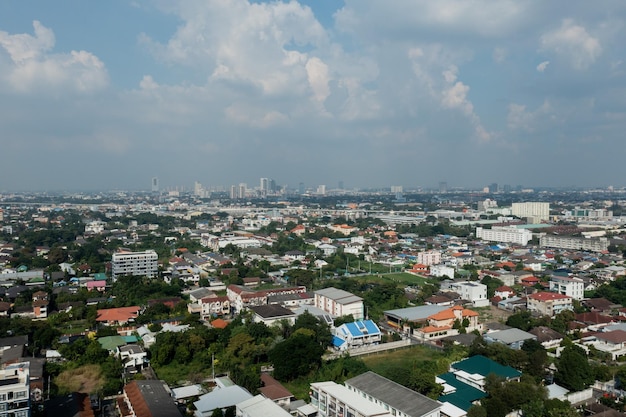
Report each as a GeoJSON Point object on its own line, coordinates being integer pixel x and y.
{"type": "Point", "coordinates": [242, 190]}
{"type": "Point", "coordinates": [264, 186]}
{"type": "Point", "coordinates": [443, 187]}
{"type": "Point", "coordinates": [155, 185]}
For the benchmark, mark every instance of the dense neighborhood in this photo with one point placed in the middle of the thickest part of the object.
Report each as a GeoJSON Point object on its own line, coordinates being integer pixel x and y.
{"type": "Point", "coordinates": [372, 304]}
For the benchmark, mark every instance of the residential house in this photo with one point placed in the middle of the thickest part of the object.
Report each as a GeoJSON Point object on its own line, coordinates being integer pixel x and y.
{"type": "Point", "coordinates": [275, 391]}
{"type": "Point", "coordinates": [448, 322]}
{"type": "Point", "coordinates": [147, 398]}
{"type": "Point", "coordinates": [547, 337]}
{"type": "Point", "coordinates": [223, 396]}
{"type": "Point", "coordinates": [40, 304]}
{"type": "Point", "coordinates": [464, 384]}
{"type": "Point", "coordinates": [548, 303]}
{"type": "Point", "coordinates": [474, 292]}
{"type": "Point", "coordinates": [271, 314]}
{"type": "Point", "coordinates": [97, 285]}
{"type": "Point", "coordinates": [134, 357]}
{"type": "Point", "coordinates": [357, 334]}
{"type": "Point", "coordinates": [260, 406]}
{"type": "Point", "coordinates": [504, 292]}
{"type": "Point", "coordinates": [214, 306]}
{"type": "Point", "coordinates": [512, 338]}
{"type": "Point", "coordinates": [117, 316]}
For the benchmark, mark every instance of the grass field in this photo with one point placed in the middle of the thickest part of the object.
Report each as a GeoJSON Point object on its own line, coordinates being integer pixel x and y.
{"type": "Point", "coordinates": [403, 278]}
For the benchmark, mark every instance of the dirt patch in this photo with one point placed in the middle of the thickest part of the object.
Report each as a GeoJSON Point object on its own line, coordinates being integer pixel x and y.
{"type": "Point", "coordinates": [493, 313]}
{"type": "Point", "coordinates": [87, 379]}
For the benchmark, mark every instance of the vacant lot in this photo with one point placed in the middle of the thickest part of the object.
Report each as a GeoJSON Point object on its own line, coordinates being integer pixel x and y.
{"type": "Point", "coordinates": [399, 278]}
{"type": "Point", "coordinates": [87, 379]}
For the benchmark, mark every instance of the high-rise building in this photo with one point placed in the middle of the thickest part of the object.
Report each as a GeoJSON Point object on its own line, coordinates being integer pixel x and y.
{"type": "Point", "coordinates": [443, 187]}
{"type": "Point", "coordinates": [397, 189]}
{"type": "Point", "coordinates": [198, 191]}
{"type": "Point", "coordinates": [536, 211]}
{"type": "Point", "coordinates": [264, 186]}
{"type": "Point", "coordinates": [301, 188]}
{"type": "Point", "coordinates": [233, 192]}
{"type": "Point", "coordinates": [340, 185]}
{"type": "Point", "coordinates": [493, 188]}
{"type": "Point", "coordinates": [155, 185]}
{"type": "Point", "coordinates": [135, 263]}
{"type": "Point", "coordinates": [242, 189]}
{"type": "Point", "coordinates": [321, 189]}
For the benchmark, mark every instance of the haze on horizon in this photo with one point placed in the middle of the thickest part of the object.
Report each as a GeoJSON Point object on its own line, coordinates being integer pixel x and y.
{"type": "Point", "coordinates": [103, 95]}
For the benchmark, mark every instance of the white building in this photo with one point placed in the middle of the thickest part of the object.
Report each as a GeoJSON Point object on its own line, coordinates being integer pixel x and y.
{"type": "Point", "coordinates": [471, 291]}
{"type": "Point", "coordinates": [537, 212]}
{"type": "Point", "coordinates": [339, 303]}
{"type": "Point", "coordinates": [334, 400]}
{"type": "Point", "coordinates": [505, 235]}
{"type": "Point", "coordinates": [441, 271]}
{"type": "Point", "coordinates": [135, 263]}
{"type": "Point", "coordinates": [572, 287]}
{"type": "Point", "coordinates": [574, 243]}
{"type": "Point", "coordinates": [95, 227]}
{"type": "Point", "coordinates": [259, 406]}
{"type": "Point", "coordinates": [15, 390]}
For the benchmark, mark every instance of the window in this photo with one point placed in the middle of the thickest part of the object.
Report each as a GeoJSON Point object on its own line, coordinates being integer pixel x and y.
{"type": "Point", "coordinates": [20, 394]}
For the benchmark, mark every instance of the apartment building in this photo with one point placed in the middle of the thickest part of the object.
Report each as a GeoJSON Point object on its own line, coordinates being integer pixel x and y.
{"type": "Point", "coordinates": [574, 243]}
{"type": "Point", "coordinates": [339, 303]}
{"type": "Point", "coordinates": [535, 211]}
{"type": "Point", "coordinates": [505, 235]}
{"type": "Point", "coordinates": [398, 399]}
{"type": "Point", "coordinates": [15, 390]}
{"type": "Point", "coordinates": [471, 291]}
{"type": "Point", "coordinates": [549, 303]}
{"type": "Point", "coordinates": [135, 263]}
{"type": "Point", "coordinates": [431, 257]}
{"type": "Point", "coordinates": [572, 287]}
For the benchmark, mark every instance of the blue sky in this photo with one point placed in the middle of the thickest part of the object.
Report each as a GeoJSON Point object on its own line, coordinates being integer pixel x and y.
{"type": "Point", "coordinates": [101, 95]}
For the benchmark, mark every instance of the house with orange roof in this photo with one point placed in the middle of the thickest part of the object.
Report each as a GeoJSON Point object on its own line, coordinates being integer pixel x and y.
{"type": "Point", "coordinates": [299, 230]}
{"type": "Point", "coordinates": [418, 269]}
{"type": "Point", "coordinates": [448, 322]}
{"type": "Point", "coordinates": [118, 316]}
{"type": "Point", "coordinates": [344, 229]}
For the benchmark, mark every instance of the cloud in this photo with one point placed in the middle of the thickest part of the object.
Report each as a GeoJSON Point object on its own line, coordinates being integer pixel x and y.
{"type": "Point", "coordinates": [519, 118]}
{"type": "Point", "coordinates": [406, 18]}
{"type": "Point", "coordinates": [573, 43]}
{"type": "Point", "coordinates": [542, 66]}
{"type": "Point", "coordinates": [33, 67]}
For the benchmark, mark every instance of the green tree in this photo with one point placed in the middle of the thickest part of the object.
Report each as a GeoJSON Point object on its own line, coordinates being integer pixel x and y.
{"type": "Point", "coordinates": [296, 356]}
{"type": "Point", "coordinates": [573, 369]}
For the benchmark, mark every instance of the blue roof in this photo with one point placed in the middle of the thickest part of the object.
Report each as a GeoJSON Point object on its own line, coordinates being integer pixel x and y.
{"type": "Point", "coordinates": [360, 328]}
{"type": "Point", "coordinates": [484, 366]}
{"type": "Point", "coordinates": [337, 342]}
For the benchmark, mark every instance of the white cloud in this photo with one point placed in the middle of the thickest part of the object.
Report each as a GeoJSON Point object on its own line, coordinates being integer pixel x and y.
{"type": "Point", "coordinates": [317, 72]}
{"type": "Point", "coordinates": [572, 42]}
{"type": "Point", "coordinates": [481, 18]}
{"type": "Point", "coordinates": [32, 67]}
{"type": "Point", "coordinates": [520, 118]}
{"type": "Point", "coordinates": [542, 66]}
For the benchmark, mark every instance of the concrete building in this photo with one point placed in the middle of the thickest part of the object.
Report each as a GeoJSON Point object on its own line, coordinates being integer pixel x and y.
{"type": "Point", "coordinates": [431, 257]}
{"type": "Point", "coordinates": [441, 271]}
{"type": "Point", "coordinates": [15, 390]}
{"type": "Point", "coordinates": [536, 212]}
{"type": "Point", "coordinates": [339, 303]}
{"type": "Point", "coordinates": [135, 263]}
{"type": "Point", "coordinates": [334, 400]}
{"type": "Point", "coordinates": [549, 303]}
{"type": "Point", "coordinates": [574, 243]}
{"type": "Point", "coordinates": [505, 235]}
{"type": "Point", "coordinates": [471, 291]}
{"type": "Point", "coordinates": [357, 334]}
{"type": "Point", "coordinates": [572, 287]}
{"type": "Point", "coordinates": [401, 401]}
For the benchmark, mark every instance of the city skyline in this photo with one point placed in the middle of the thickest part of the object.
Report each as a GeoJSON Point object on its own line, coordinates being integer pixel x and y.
{"type": "Point", "coordinates": [409, 93]}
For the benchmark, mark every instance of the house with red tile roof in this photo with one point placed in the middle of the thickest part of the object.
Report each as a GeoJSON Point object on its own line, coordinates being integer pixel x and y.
{"type": "Point", "coordinates": [118, 316]}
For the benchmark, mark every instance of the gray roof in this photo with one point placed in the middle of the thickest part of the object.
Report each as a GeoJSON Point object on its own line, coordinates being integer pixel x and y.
{"type": "Point", "coordinates": [220, 398]}
{"type": "Point", "coordinates": [158, 398]}
{"type": "Point", "coordinates": [509, 336]}
{"type": "Point", "coordinates": [339, 296]}
{"type": "Point", "coordinates": [272, 311]}
{"type": "Point", "coordinates": [409, 402]}
{"type": "Point", "coordinates": [416, 313]}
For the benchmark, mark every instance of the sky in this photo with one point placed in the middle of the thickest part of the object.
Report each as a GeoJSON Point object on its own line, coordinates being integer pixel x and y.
{"type": "Point", "coordinates": [106, 95]}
